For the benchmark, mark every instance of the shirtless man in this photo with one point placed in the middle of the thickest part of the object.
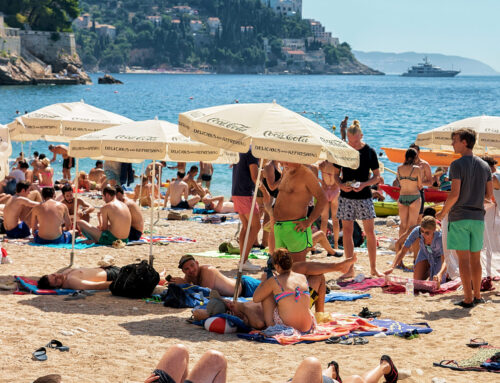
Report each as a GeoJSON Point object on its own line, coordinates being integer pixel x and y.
{"type": "Point", "coordinates": [114, 221]}
{"type": "Point", "coordinates": [332, 191]}
{"type": "Point", "coordinates": [193, 186]}
{"type": "Point", "coordinates": [217, 203]}
{"type": "Point", "coordinates": [178, 194]}
{"type": "Point", "coordinates": [145, 192]}
{"type": "Point", "coordinates": [209, 276]}
{"type": "Point", "coordinates": [292, 228]}
{"type": "Point", "coordinates": [426, 172]}
{"type": "Point", "coordinates": [83, 209]}
{"type": "Point", "coordinates": [343, 128]}
{"type": "Point", "coordinates": [96, 174]}
{"type": "Point", "coordinates": [37, 165]}
{"type": "Point", "coordinates": [159, 165]}
{"type": "Point", "coordinates": [206, 172]}
{"type": "Point", "coordinates": [16, 212]}
{"type": "Point", "coordinates": [181, 168]}
{"type": "Point", "coordinates": [48, 218]}
{"type": "Point", "coordinates": [137, 223]}
{"type": "Point", "coordinates": [68, 162]}
{"type": "Point", "coordinates": [95, 278]}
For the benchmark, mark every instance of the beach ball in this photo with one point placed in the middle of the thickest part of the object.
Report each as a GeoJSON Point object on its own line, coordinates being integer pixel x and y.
{"type": "Point", "coordinates": [220, 325]}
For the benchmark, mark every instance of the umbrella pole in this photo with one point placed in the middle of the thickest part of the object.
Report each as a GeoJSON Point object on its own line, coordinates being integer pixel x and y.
{"type": "Point", "coordinates": [159, 192]}
{"type": "Point", "coordinates": [151, 217]}
{"type": "Point", "coordinates": [75, 210]}
{"type": "Point", "coordinates": [140, 183]}
{"type": "Point", "coordinates": [247, 234]}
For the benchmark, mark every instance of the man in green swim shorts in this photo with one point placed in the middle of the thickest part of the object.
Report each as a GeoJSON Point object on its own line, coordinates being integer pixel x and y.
{"type": "Point", "coordinates": [471, 186]}
{"type": "Point", "coordinates": [114, 221]}
{"type": "Point", "coordinates": [292, 228]}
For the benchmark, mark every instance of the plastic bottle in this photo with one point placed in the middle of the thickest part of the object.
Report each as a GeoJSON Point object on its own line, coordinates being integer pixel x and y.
{"type": "Point", "coordinates": [5, 257]}
{"type": "Point", "coordinates": [410, 288]}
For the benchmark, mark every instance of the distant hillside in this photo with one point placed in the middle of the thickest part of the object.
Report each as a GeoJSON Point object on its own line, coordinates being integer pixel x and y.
{"type": "Point", "coordinates": [397, 63]}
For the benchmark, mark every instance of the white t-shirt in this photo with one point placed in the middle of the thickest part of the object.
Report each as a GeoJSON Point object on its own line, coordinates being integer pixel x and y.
{"type": "Point", "coordinates": [18, 175]}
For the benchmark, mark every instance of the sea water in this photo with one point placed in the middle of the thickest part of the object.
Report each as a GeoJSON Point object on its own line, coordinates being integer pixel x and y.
{"type": "Point", "coordinates": [392, 109]}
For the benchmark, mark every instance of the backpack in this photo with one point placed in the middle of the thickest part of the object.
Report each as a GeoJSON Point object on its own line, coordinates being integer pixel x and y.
{"type": "Point", "coordinates": [137, 280]}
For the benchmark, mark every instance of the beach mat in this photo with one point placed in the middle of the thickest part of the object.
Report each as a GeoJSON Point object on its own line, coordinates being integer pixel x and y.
{"type": "Point", "coordinates": [397, 285]}
{"type": "Point", "coordinates": [254, 254]}
{"type": "Point", "coordinates": [333, 296]}
{"type": "Point", "coordinates": [364, 285]}
{"type": "Point", "coordinates": [29, 285]}
{"type": "Point", "coordinates": [79, 245]}
{"type": "Point", "coordinates": [486, 359]}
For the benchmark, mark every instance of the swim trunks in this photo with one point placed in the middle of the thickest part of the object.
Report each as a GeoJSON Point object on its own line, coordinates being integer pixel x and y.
{"type": "Point", "coordinates": [20, 231]}
{"type": "Point", "coordinates": [107, 238]}
{"type": "Point", "coordinates": [134, 234]}
{"type": "Point", "coordinates": [65, 238]}
{"type": "Point", "coordinates": [66, 163]}
{"type": "Point", "coordinates": [181, 205]}
{"type": "Point", "coordinates": [166, 378]}
{"type": "Point", "coordinates": [465, 234]}
{"type": "Point", "coordinates": [248, 286]}
{"type": "Point", "coordinates": [206, 177]}
{"type": "Point", "coordinates": [243, 204]}
{"type": "Point", "coordinates": [353, 209]}
{"type": "Point", "coordinates": [294, 241]}
{"type": "Point", "coordinates": [111, 272]}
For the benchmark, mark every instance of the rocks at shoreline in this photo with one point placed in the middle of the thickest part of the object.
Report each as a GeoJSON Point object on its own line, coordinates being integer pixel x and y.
{"type": "Point", "coordinates": [108, 79]}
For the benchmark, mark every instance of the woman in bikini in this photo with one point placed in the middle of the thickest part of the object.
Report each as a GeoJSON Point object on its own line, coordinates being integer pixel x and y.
{"type": "Point", "coordinates": [332, 191]}
{"type": "Point", "coordinates": [46, 174]}
{"type": "Point", "coordinates": [410, 180]}
{"type": "Point", "coordinates": [285, 298]}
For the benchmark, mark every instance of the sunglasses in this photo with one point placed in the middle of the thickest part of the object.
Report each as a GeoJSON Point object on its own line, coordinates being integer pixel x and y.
{"type": "Point", "coordinates": [426, 232]}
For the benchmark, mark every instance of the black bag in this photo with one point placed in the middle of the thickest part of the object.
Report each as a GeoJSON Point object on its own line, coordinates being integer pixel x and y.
{"type": "Point", "coordinates": [2, 228]}
{"type": "Point", "coordinates": [357, 235]}
{"type": "Point", "coordinates": [137, 280]}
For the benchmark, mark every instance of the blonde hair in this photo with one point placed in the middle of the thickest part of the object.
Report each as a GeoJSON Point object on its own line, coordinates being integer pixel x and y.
{"type": "Point", "coordinates": [46, 162]}
{"type": "Point", "coordinates": [355, 128]}
{"type": "Point", "coordinates": [428, 222]}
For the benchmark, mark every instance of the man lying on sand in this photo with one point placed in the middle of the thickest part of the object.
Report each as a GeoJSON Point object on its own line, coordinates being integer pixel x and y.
{"type": "Point", "coordinates": [48, 218]}
{"type": "Point", "coordinates": [209, 276]}
{"type": "Point", "coordinates": [95, 278]}
{"type": "Point", "coordinates": [115, 220]}
{"type": "Point", "coordinates": [212, 368]}
{"type": "Point", "coordinates": [217, 203]}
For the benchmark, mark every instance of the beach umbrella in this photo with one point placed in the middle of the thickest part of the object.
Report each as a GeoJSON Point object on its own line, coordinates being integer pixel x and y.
{"type": "Point", "coordinates": [272, 132]}
{"type": "Point", "coordinates": [155, 140]}
{"type": "Point", "coordinates": [62, 122]}
{"type": "Point", "coordinates": [486, 127]}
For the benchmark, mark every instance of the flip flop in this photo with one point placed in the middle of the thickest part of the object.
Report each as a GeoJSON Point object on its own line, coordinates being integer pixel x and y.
{"type": "Point", "coordinates": [74, 296]}
{"type": "Point", "coordinates": [392, 376]}
{"type": "Point", "coordinates": [365, 313]}
{"type": "Point", "coordinates": [55, 344]}
{"type": "Point", "coordinates": [333, 340]}
{"type": "Point", "coordinates": [40, 354]}
{"type": "Point", "coordinates": [346, 342]}
{"type": "Point", "coordinates": [477, 342]}
{"type": "Point", "coordinates": [359, 340]}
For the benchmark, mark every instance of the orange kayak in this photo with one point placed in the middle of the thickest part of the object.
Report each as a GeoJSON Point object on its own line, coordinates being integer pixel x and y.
{"type": "Point", "coordinates": [433, 157]}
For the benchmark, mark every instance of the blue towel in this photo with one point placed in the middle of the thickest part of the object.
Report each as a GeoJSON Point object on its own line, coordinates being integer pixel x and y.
{"type": "Point", "coordinates": [343, 296]}
{"type": "Point", "coordinates": [32, 288]}
{"type": "Point", "coordinates": [198, 210]}
{"type": "Point", "coordinates": [78, 245]}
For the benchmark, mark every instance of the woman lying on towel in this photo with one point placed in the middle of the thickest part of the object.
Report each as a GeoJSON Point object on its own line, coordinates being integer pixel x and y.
{"type": "Point", "coordinates": [430, 262]}
{"type": "Point", "coordinates": [285, 298]}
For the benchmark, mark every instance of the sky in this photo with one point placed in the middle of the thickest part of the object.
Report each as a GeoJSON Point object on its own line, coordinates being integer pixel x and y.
{"type": "Point", "coordinates": [467, 28]}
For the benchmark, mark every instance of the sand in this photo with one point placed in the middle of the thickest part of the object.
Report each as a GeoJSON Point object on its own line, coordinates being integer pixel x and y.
{"type": "Point", "coordinates": [124, 338]}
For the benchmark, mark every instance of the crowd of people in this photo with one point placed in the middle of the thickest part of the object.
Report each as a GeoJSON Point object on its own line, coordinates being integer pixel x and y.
{"type": "Point", "coordinates": [298, 205]}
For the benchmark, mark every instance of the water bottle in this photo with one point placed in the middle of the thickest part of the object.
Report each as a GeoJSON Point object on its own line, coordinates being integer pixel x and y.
{"type": "Point", "coordinates": [5, 257]}
{"type": "Point", "coordinates": [409, 288]}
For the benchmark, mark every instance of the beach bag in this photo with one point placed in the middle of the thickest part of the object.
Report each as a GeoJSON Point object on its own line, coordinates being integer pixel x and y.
{"type": "Point", "coordinates": [185, 295]}
{"type": "Point", "coordinates": [137, 280]}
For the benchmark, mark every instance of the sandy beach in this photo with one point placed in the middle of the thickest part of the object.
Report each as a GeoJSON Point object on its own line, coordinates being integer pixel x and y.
{"type": "Point", "coordinates": [121, 340]}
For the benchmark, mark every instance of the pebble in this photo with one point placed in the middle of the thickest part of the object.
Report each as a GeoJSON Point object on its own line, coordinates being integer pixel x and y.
{"type": "Point", "coordinates": [404, 374]}
{"type": "Point", "coordinates": [438, 380]}
{"type": "Point", "coordinates": [67, 333]}
{"type": "Point", "coordinates": [80, 329]}
{"type": "Point", "coordinates": [419, 371]}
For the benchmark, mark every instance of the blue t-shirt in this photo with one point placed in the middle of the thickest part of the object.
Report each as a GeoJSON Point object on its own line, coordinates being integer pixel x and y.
{"type": "Point", "coordinates": [242, 179]}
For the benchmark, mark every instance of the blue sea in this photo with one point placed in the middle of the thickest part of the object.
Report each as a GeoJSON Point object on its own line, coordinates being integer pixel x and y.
{"type": "Point", "coordinates": [392, 109]}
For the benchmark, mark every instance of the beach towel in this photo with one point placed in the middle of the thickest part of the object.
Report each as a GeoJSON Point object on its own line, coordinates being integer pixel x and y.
{"type": "Point", "coordinates": [185, 295]}
{"type": "Point", "coordinates": [198, 210]}
{"type": "Point", "coordinates": [343, 296]}
{"type": "Point", "coordinates": [486, 359]}
{"type": "Point", "coordinates": [165, 239]}
{"type": "Point", "coordinates": [341, 325]}
{"type": "Point", "coordinates": [396, 285]}
{"type": "Point", "coordinates": [79, 245]}
{"type": "Point", "coordinates": [254, 254]}
{"type": "Point", "coordinates": [365, 285]}
{"type": "Point", "coordinates": [26, 284]}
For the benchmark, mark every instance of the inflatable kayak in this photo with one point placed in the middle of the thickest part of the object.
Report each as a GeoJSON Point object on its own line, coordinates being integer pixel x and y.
{"type": "Point", "coordinates": [430, 195]}
{"type": "Point", "coordinates": [385, 209]}
{"type": "Point", "coordinates": [433, 157]}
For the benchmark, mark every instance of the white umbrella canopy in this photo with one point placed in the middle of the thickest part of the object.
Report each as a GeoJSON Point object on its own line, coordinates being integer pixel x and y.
{"type": "Point", "coordinates": [274, 132]}
{"type": "Point", "coordinates": [146, 140]}
{"type": "Point", "coordinates": [62, 122]}
{"type": "Point", "coordinates": [486, 127]}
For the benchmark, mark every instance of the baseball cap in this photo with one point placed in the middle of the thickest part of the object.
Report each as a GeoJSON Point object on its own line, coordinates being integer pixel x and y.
{"type": "Point", "coordinates": [184, 259]}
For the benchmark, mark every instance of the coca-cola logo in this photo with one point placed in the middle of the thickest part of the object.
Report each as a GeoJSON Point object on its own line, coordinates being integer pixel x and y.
{"type": "Point", "coordinates": [228, 124]}
{"type": "Point", "coordinates": [286, 137]}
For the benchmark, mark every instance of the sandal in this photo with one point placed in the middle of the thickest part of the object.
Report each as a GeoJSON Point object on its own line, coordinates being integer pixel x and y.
{"type": "Point", "coordinates": [392, 376]}
{"type": "Point", "coordinates": [40, 354]}
{"type": "Point", "coordinates": [365, 313]}
{"type": "Point", "coordinates": [477, 342]}
{"type": "Point", "coordinates": [333, 340]}
{"type": "Point", "coordinates": [346, 342]}
{"type": "Point", "coordinates": [55, 344]}
{"type": "Point", "coordinates": [359, 340]}
{"type": "Point", "coordinates": [74, 296]}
